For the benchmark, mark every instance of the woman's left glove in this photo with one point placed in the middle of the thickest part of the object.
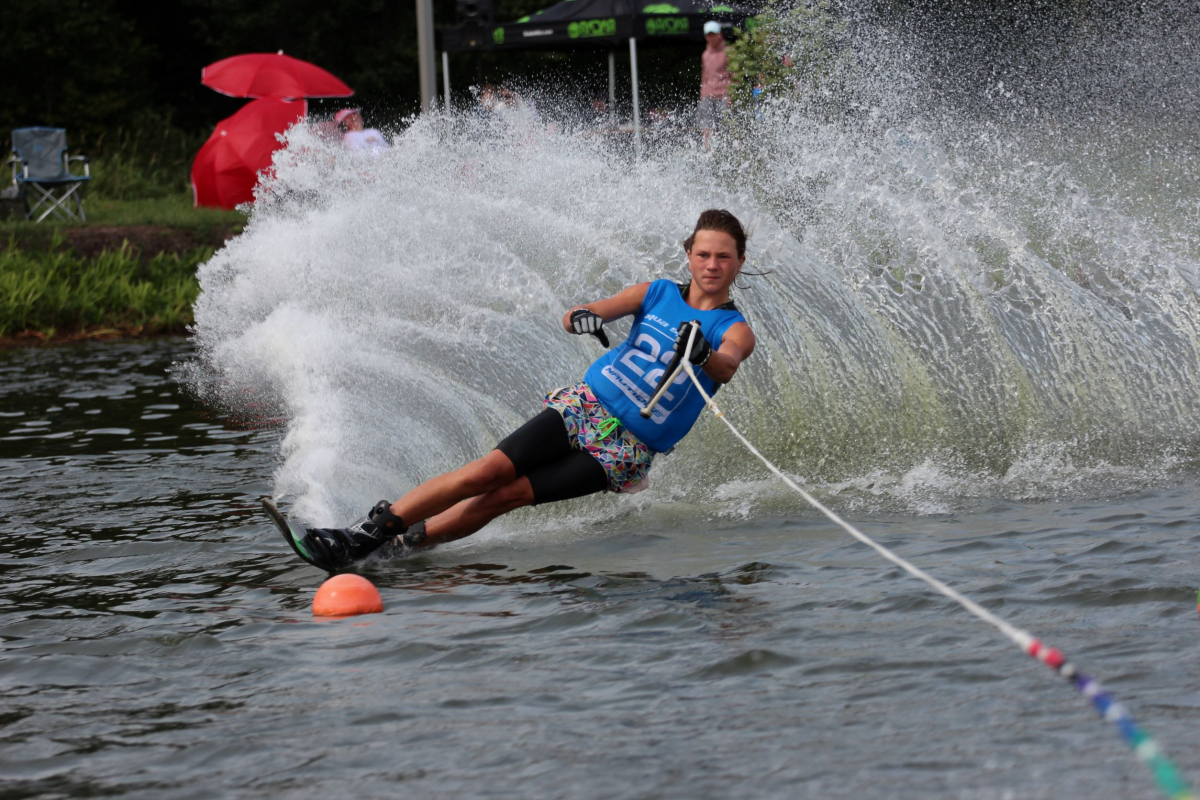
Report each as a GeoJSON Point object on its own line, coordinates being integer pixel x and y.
{"type": "Point", "coordinates": [584, 321]}
{"type": "Point", "coordinates": [701, 349]}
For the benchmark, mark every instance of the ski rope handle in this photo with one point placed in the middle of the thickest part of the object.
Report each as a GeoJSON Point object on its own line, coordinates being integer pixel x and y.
{"type": "Point", "coordinates": [1166, 775]}
{"type": "Point", "coordinates": [669, 375]}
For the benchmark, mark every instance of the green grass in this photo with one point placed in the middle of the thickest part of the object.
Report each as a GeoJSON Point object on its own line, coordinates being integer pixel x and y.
{"type": "Point", "coordinates": [143, 161]}
{"type": "Point", "coordinates": [173, 211]}
{"type": "Point", "coordinates": [57, 293]}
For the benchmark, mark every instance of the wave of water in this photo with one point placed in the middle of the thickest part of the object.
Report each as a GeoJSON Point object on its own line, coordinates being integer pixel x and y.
{"type": "Point", "coordinates": [956, 308]}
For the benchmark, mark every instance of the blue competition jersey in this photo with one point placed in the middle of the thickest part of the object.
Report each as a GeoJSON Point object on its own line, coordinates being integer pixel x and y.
{"type": "Point", "coordinates": [624, 377]}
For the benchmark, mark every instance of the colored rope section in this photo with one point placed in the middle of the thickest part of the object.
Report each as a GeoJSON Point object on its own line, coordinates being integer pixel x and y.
{"type": "Point", "coordinates": [1170, 781]}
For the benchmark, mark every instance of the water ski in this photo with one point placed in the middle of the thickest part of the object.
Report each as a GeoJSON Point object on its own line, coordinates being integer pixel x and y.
{"type": "Point", "coordinates": [292, 535]}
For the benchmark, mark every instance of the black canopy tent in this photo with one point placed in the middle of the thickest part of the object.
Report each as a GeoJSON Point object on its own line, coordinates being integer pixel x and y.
{"type": "Point", "coordinates": [598, 24]}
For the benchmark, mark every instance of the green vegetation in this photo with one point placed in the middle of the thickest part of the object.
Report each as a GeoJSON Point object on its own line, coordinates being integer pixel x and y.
{"type": "Point", "coordinates": [802, 52]}
{"type": "Point", "coordinates": [756, 60]}
{"type": "Point", "coordinates": [58, 292]}
{"type": "Point", "coordinates": [173, 211]}
{"type": "Point", "coordinates": [139, 177]}
{"type": "Point", "coordinates": [145, 161]}
{"type": "Point", "coordinates": [130, 270]}
{"type": "Point", "coordinates": [92, 67]}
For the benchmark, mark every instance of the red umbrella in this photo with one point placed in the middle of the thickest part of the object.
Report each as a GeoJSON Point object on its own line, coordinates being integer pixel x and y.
{"type": "Point", "coordinates": [264, 74]}
{"type": "Point", "coordinates": [226, 168]}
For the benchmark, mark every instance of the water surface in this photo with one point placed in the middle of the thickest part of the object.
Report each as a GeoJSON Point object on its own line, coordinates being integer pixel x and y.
{"type": "Point", "coordinates": [158, 642]}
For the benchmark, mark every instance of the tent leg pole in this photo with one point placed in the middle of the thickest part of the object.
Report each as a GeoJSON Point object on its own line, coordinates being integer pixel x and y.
{"type": "Point", "coordinates": [446, 80]}
{"type": "Point", "coordinates": [426, 53]}
{"type": "Point", "coordinates": [612, 89]}
{"type": "Point", "coordinates": [637, 120]}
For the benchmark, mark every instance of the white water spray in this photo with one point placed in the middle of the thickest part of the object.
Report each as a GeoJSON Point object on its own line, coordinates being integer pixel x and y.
{"type": "Point", "coordinates": [963, 306]}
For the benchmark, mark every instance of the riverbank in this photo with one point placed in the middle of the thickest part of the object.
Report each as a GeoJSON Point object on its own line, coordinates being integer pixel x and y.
{"type": "Point", "coordinates": [58, 295]}
{"type": "Point", "coordinates": [129, 272]}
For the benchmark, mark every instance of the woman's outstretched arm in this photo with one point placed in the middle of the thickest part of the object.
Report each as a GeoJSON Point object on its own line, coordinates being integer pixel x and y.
{"type": "Point", "coordinates": [622, 304]}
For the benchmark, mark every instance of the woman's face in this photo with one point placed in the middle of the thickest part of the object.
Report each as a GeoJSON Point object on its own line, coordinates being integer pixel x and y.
{"type": "Point", "coordinates": [713, 261]}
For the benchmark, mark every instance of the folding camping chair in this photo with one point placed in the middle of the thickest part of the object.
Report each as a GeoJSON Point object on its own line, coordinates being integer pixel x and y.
{"type": "Point", "coordinates": [42, 174]}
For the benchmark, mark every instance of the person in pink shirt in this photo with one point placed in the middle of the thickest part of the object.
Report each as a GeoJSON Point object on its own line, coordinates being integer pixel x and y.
{"type": "Point", "coordinates": [714, 81]}
{"type": "Point", "coordinates": [355, 134]}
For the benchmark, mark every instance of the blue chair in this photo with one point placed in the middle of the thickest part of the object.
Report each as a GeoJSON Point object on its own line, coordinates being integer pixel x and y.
{"type": "Point", "coordinates": [42, 174]}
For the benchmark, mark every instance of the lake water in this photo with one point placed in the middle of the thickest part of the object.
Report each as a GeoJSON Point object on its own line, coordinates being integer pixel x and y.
{"type": "Point", "coordinates": [158, 640]}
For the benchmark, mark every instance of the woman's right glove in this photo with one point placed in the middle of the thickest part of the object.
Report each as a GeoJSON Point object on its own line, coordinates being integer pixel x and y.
{"type": "Point", "coordinates": [701, 349]}
{"type": "Point", "coordinates": [584, 321]}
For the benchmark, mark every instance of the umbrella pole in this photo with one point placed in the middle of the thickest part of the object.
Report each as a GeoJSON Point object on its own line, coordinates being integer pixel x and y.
{"type": "Point", "coordinates": [612, 88]}
{"type": "Point", "coordinates": [446, 80]}
{"type": "Point", "coordinates": [637, 120]}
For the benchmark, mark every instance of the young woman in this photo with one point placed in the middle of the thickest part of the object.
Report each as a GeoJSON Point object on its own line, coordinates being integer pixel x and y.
{"type": "Point", "coordinates": [591, 436]}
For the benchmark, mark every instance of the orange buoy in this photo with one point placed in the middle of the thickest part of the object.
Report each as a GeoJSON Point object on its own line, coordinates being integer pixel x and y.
{"type": "Point", "coordinates": [345, 596]}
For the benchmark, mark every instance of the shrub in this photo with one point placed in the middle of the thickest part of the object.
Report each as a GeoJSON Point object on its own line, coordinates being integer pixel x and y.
{"type": "Point", "coordinates": [149, 161]}
{"type": "Point", "coordinates": [58, 291]}
{"type": "Point", "coordinates": [800, 52]}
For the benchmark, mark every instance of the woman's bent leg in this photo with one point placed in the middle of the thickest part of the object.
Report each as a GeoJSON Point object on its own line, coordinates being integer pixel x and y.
{"type": "Point", "coordinates": [541, 440]}
{"type": "Point", "coordinates": [469, 516]}
{"type": "Point", "coordinates": [575, 475]}
{"type": "Point", "coordinates": [435, 495]}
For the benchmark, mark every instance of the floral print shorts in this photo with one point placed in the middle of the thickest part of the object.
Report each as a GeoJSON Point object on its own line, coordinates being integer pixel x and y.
{"type": "Point", "coordinates": [625, 458]}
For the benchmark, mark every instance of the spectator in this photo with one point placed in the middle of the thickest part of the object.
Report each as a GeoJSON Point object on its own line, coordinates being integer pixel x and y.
{"type": "Point", "coordinates": [714, 81]}
{"type": "Point", "coordinates": [354, 135]}
{"type": "Point", "coordinates": [326, 130]}
{"type": "Point", "coordinates": [600, 113]}
{"type": "Point", "coordinates": [487, 100]}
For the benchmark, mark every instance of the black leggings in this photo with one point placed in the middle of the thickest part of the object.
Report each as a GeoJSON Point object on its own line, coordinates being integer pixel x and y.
{"type": "Point", "coordinates": [541, 451]}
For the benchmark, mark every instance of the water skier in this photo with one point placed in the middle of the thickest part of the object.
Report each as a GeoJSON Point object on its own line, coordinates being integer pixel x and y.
{"type": "Point", "coordinates": [590, 437]}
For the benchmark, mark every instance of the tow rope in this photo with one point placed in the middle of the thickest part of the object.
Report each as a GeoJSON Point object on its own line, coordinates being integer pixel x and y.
{"type": "Point", "coordinates": [1167, 776]}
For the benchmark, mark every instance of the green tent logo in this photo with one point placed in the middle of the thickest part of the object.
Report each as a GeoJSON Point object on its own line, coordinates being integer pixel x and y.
{"type": "Point", "coordinates": [660, 8]}
{"type": "Point", "coordinates": [666, 26]}
{"type": "Point", "coordinates": [498, 36]}
{"type": "Point", "coordinates": [592, 27]}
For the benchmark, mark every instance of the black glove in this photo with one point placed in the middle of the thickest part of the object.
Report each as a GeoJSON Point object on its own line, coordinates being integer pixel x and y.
{"type": "Point", "coordinates": [701, 349]}
{"type": "Point", "coordinates": [584, 321]}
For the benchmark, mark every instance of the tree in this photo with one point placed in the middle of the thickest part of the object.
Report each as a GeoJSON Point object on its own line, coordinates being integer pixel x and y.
{"type": "Point", "coordinates": [802, 51]}
{"type": "Point", "coordinates": [79, 65]}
